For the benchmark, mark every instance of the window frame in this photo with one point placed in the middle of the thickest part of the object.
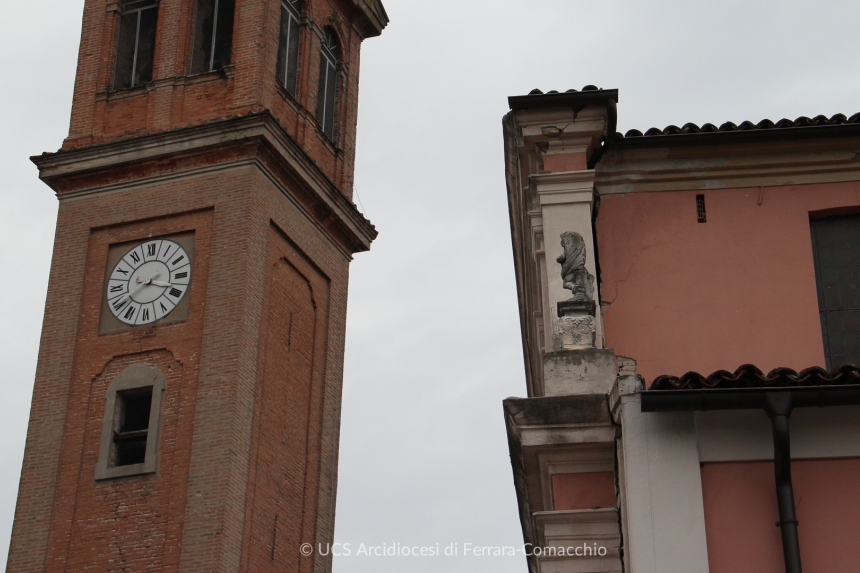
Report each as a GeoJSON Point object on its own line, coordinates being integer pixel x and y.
{"type": "Point", "coordinates": [825, 309]}
{"type": "Point", "coordinates": [134, 378]}
{"type": "Point", "coordinates": [123, 12]}
{"type": "Point", "coordinates": [288, 59]}
{"type": "Point", "coordinates": [213, 41]}
{"type": "Point", "coordinates": [330, 61]}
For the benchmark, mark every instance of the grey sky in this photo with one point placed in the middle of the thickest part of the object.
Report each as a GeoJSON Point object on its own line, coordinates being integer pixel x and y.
{"type": "Point", "coordinates": [433, 339]}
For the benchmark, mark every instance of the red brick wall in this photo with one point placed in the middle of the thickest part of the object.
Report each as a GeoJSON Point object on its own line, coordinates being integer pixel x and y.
{"type": "Point", "coordinates": [248, 85]}
{"type": "Point", "coordinates": [123, 524]}
{"type": "Point", "coordinates": [140, 518]}
{"type": "Point", "coordinates": [197, 513]}
{"type": "Point", "coordinates": [241, 441]}
{"type": "Point", "coordinates": [282, 511]}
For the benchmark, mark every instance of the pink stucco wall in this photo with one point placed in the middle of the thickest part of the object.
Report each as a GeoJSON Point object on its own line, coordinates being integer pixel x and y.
{"type": "Point", "coordinates": [741, 512]}
{"type": "Point", "coordinates": [588, 490]}
{"type": "Point", "coordinates": [737, 289]}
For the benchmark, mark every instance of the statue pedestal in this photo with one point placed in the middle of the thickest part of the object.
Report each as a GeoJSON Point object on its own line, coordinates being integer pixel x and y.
{"type": "Point", "coordinates": [576, 308]}
{"type": "Point", "coordinates": [574, 333]}
{"type": "Point", "coordinates": [576, 327]}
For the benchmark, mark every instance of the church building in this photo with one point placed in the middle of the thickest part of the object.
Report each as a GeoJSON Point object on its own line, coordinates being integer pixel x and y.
{"type": "Point", "coordinates": [689, 305]}
{"type": "Point", "coordinates": [186, 408]}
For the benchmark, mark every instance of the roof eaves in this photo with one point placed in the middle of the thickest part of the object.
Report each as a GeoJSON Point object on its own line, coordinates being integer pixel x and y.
{"type": "Point", "coordinates": [750, 377]}
{"type": "Point", "coordinates": [377, 17]}
{"type": "Point", "coordinates": [572, 98]}
{"type": "Point", "coordinates": [785, 129]}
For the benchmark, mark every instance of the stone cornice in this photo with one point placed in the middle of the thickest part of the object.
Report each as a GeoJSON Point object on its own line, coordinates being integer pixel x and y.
{"type": "Point", "coordinates": [374, 12]}
{"type": "Point", "coordinates": [89, 170]}
{"type": "Point", "coordinates": [728, 166]}
{"type": "Point", "coordinates": [564, 187]}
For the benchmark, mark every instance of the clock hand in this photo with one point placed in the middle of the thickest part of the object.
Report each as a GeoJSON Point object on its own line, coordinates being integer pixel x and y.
{"type": "Point", "coordinates": [153, 281]}
{"type": "Point", "coordinates": [142, 284]}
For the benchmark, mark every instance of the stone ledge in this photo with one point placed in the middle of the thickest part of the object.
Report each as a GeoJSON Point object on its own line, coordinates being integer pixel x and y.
{"type": "Point", "coordinates": [584, 371]}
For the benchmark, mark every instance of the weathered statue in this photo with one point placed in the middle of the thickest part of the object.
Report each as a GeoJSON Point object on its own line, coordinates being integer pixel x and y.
{"type": "Point", "coordinates": [576, 278]}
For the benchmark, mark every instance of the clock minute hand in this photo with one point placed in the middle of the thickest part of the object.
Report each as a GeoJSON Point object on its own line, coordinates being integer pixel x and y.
{"type": "Point", "coordinates": [142, 284]}
{"type": "Point", "coordinates": [160, 283]}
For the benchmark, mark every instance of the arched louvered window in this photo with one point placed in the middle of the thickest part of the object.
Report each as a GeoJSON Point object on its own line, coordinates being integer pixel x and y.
{"type": "Point", "coordinates": [213, 35]}
{"type": "Point", "coordinates": [288, 48]}
{"type": "Point", "coordinates": [327, 94]}
{"type": "Point", "coordinates": [136, 44]}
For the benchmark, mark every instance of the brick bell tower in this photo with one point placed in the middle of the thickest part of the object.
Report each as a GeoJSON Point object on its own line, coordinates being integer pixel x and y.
{"type": "Point", "coordinates": [186, 409]}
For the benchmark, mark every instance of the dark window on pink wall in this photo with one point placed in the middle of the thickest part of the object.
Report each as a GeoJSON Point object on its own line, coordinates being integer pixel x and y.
{"type": "Point", "coordinates": [836, 248]}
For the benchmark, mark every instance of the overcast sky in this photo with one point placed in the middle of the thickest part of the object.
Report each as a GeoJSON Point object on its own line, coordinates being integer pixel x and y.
{"type": "Point", "coordinates": [433, 341]}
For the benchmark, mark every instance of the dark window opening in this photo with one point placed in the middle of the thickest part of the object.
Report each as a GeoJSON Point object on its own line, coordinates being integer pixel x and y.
{"type": "Point", "coordinates": [329, 59]}
{"type": "Point", "coordinates": [213, 35]}
{"type": "Point", "coordinates": [136, 44]}
{"type": "Point", "coordinates": [132, 427]}
{"type": "Point", "coordinates": [288, 48]}
{"type": "Point", "coordinates": [700, 209]}
{"type": "Point", "coordinates": [836, 251]}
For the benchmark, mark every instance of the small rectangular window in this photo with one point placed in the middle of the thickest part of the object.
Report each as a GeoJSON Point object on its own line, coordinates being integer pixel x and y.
{"type": "Point", "coordinates": [213, 35]}
{"type": "Point", "coordinates": [132, 427]}
{"type": "Point", "coordinates": [129, 442]}
{"type": "Point", "coordinates": [836, 251]}
{"type": "Point", "coordinates": [701, 215]}
{"type": "Point", "coordinates": [136, 44]}
{"type": "Point", "coordinates": [288, 48]}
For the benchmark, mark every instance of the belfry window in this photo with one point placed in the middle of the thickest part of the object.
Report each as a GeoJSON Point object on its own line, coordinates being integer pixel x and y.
{"type": "Point", "coordinates": [327, 94]}
{"type": "Point", "coordinates": [129, 443]}
{"type": "Point", "coordinates": [213, 35]}
{"type": "Point", "coordinates": [288, 48]}
{"type": "Point", "coordinates": [836, 250]}
{"type": "Point", "coordinates": [136, 43]}
{"type": "Point", "coordinates": [130, 435]}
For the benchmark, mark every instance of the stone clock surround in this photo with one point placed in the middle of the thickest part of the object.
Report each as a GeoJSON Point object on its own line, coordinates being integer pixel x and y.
{"type": "Point", "coordinates": [108, 323]}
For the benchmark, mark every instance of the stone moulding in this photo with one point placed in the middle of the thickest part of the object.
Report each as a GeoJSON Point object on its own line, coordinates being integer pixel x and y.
{"type": "Point", "coordinates": [89, 170]}
{"type": "Point", "coordinates": [377, 18]}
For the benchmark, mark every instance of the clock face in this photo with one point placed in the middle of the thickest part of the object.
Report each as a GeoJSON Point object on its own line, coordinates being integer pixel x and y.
{"type": "Point", "coordinates": [148, 282]}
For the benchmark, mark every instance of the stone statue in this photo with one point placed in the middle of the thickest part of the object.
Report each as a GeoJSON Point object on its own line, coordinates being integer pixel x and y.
{"type": "Point", "coordinates": [576, 278]}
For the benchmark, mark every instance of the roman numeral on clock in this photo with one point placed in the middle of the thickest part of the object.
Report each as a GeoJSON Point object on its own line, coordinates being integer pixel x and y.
{"type": "Point", "coordinates": [179, 258]}
{"type": "Point", "coordinates": [150, 249]}
{"type": "Point", "coordinates": [117, 288]}
{"type": "Point", "coordinates": [175, 292]}
{"type": "Point", "coordinates": [135, 257]}
{"type": "Point", "coordinates": [178, 276]}
{"type": "Point", "coordinates": [144, 314]}
{"type": "Point", "coordinates": [129, 313]}
{"type": "Point", "coordinates": [119, 304]}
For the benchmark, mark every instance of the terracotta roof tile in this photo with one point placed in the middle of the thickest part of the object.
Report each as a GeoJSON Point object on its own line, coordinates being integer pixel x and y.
{"type": "Point", "coordinates": [748, 376]}
{"type": "Point", "coordinates": [820, 120]}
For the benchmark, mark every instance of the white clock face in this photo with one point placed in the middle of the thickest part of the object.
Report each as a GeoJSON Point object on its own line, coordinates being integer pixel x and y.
{"type": "Point", "coordinates": [148, 282]}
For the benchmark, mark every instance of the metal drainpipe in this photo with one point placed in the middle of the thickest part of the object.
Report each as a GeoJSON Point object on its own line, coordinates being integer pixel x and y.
{"type": "Point", "coordinates": [778, 406]}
